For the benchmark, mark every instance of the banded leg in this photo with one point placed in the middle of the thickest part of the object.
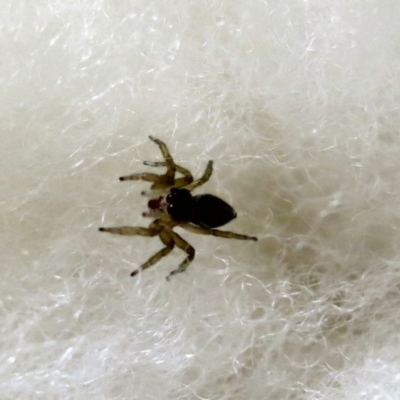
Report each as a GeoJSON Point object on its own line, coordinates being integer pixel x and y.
{"type": "Point", "coordinates": [185, 246]}
{"type": "Point", "coordinates": [216, 232]}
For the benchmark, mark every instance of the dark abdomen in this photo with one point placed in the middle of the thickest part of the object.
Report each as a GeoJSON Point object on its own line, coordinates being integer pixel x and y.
{"type": "Point", "coordinates": [211, 212]}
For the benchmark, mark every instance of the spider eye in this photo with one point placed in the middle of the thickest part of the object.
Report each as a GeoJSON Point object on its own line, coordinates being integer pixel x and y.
{"type": "Point", "coordinates": [172, 193]}
{"type": "Point", "coordinates": [180, 204]}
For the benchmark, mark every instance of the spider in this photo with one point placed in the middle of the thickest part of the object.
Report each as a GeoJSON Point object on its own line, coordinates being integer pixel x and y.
{"type": "Point", "coordinates": [175, 206]}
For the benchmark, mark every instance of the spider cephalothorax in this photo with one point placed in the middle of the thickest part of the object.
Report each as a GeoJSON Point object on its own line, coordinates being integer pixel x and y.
{"type": "Point", "coordinates": [176, 206]}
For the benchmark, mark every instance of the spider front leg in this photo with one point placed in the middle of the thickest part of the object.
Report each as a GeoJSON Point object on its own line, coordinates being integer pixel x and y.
{"type": "Point", "coordinates": [206, 176]}
{"type": "Point", "coordinates": [179, 182]}
{"type": "Point", "coordinates": [160, 182]}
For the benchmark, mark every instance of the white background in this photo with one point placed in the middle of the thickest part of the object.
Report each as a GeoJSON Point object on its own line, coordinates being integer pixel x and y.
{"type": "Point", "coordinates": [297, 103]}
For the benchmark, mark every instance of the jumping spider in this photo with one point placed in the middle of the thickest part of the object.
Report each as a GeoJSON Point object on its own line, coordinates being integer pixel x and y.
{"type": "Point", "coordinates": [175, 206]}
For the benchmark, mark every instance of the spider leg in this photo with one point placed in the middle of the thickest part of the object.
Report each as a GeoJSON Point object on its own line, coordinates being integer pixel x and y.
{"type": "Point", "coordinates": [145, 176]}
{"type": "Point", "coordinates": [131, 230]}
{"type": "Point", "coordinates": [185, 246]}
{"type": "Point", "coordinates": [153, 230]}
{"type": "Point", "coordinates": [169, 245]}
{"type": "Point", "coordinates": [155, 163]}
{"type": "Point", "coordinates": [180, 169]}
{"type": "Point", "coordinates": [206, 176]}
{"type": "Point", "coordinates": [187, 176]}
{"type": "Point", "coordinates": [160, 182]}
{"type": "Point", "coordinates": [170, 164]}
{"type": "Point", "coordinates": [216, 232]}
